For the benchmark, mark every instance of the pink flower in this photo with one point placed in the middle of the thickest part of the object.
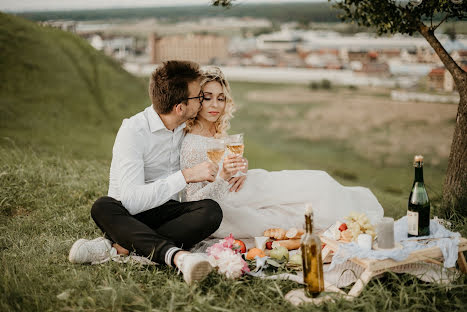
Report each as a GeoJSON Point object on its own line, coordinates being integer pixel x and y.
{"type": "Point", "coordinates": [228, 241]}
{"type": "Point", "coordinates": [226, 260]}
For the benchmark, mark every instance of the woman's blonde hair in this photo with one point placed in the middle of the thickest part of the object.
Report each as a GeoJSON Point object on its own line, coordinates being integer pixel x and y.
{"type": "Point", "coordinates": [214, 73]}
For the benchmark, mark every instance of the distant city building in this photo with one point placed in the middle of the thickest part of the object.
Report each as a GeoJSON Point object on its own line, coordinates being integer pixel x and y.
{"type": "Point", "coordinates": [63, 25]}
{"type": "Point", "coordinates": [116, 46]}
{"type": "Point", "coordinates": [460, 56]}
{"type": "Point", "coordinates": [203, 49]}
{"type": "Point", "coordinates": [441, 79]}
{"type": "Point", "coordinates": [285, 40]}
{"type": "Point", "coordinates": [436, 79]}
{"type": "Point", "coordinates": [97, 42]}
{"type": "Point", "coordinates": [375, 69]}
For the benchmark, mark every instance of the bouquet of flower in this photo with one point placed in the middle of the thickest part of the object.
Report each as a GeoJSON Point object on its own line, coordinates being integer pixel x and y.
{"type": "Point", "coordinates": [226, 257]}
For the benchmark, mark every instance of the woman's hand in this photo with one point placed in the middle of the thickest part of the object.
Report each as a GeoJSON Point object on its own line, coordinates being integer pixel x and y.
{"type": "Point", "coordinates": [246, 165]}
{"type": "Point", "coordinates": [237, 183]}
{"type": "Point", "coordinates": [232, 165]}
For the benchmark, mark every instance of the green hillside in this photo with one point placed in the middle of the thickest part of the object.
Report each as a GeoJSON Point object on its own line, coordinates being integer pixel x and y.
{"type": "Point", "coordinates": [58, 93]}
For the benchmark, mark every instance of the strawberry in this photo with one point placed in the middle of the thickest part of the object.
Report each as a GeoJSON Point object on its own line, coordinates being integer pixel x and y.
{"type": "Point", "coordinates": [269, 245]}
{"type": "Point", "coordinates": [239, 245]}
{"type": "Point", "coordinates": [343, 227]}
{"type": "Point", "coordinates": [323, 245]}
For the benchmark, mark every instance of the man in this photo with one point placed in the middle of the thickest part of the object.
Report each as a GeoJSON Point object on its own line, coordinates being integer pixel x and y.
{"type": "Point", "coordinates": [142, 212]}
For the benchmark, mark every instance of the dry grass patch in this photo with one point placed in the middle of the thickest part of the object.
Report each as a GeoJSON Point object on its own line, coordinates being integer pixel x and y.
{"type": "Point", "coordinates": [376, 127]}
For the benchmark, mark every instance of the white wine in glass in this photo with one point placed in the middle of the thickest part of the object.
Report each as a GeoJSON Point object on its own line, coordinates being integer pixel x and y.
{"type": "Point", "coordinates": [215, 150]}
{"type": "Point", "coordinates": [235, 144]}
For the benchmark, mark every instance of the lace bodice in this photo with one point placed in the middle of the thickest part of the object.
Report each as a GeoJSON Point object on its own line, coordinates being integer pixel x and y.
{"type": "Point", "coordinates": [193, 152]}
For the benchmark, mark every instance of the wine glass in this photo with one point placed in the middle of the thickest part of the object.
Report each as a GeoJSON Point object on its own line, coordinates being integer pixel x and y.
{"type": "Point", "coordinates": [236, 146]}
{"type": "Point", "coordinates": [215, 150]}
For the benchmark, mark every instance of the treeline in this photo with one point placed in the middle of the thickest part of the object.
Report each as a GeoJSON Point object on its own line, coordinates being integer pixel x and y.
{"type": "Point", "coordinates": [280, 12]}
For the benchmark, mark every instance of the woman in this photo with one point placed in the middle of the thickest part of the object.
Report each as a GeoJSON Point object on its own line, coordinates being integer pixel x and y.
{"type": "Point", "coordinates": [260, 199]}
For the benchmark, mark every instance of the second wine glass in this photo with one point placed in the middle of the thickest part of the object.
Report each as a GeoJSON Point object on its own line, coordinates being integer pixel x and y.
{"type": "Point", "coordinates": [215, 150]}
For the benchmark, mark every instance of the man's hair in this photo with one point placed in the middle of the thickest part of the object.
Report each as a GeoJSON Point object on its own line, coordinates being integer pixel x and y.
{"type": "Point", "coordinates": [168, 84]}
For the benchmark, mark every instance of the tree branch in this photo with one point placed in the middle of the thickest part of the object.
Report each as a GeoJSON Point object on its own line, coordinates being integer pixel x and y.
{"type": "Point", "coordinates": [442, 21]}
{"type": "Point", "coordinates": [451, 65]}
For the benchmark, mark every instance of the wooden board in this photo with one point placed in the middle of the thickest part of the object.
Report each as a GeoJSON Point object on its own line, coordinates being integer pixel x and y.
{"type": "Point", "coordinates": [427, 254]}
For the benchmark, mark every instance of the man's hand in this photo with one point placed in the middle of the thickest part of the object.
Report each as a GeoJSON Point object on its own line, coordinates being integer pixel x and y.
{"type": "Point", "coordinates": [205, 171]}
{"type": "Point", "coordinates": [237, 183]}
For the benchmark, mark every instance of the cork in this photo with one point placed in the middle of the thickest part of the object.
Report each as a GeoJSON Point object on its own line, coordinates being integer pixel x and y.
{"type": "Point", "coordinates": [418, 158]}
{"type": "Point", "coordinates": [418, 161]}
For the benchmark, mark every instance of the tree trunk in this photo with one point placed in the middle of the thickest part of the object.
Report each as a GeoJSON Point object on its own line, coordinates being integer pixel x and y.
{"type": "Point", "coordinates": [455, 183]}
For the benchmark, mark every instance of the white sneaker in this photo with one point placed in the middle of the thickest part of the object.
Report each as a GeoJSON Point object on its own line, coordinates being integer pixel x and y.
{"type": "Point", "coordinates": [194, 266]}
{"type": "Point", "coordinates": [94, 251]}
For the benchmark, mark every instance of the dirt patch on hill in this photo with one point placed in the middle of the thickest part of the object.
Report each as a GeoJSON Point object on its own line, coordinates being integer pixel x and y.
{"type": "Point", "coordinates": [374, 126]}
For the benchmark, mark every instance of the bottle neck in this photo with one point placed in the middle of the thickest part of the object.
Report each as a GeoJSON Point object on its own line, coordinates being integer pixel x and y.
{"type": "Point", "coordinates": [418, 174]}
{"type": "Point", "coordinates": [308, 224]}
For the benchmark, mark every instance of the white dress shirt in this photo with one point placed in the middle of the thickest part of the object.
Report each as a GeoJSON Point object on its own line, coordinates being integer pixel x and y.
{"type": "Point", "coordinates": [145, 171]}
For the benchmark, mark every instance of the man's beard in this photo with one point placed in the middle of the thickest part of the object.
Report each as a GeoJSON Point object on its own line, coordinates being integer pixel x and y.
{"type": "Point", "coordinates": [188, 117]}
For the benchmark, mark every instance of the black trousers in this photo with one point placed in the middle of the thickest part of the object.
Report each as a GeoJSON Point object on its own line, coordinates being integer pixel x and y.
{"type": "Point", "coordinates": [152, 233]}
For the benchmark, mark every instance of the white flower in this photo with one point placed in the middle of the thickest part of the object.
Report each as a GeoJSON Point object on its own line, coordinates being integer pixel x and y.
{"type": "Point", "coordinates": [228, 263]}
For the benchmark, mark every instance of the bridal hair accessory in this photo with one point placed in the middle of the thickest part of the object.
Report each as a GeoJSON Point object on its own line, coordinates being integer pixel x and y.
{"type": "Point", "coordinates": [227, 259]}
{"type": "Point", "coordinates": [212, 73]}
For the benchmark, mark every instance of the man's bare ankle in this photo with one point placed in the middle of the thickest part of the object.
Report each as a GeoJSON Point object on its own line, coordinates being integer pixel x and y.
{"type": "Point", "coordinates": [120, 250]}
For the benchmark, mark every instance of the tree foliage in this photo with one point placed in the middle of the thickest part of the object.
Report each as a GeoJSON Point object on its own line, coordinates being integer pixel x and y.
{"type": "Point", "coordinates": [398, 16]}
{"type": "Point", "coordinates": [393, 16]}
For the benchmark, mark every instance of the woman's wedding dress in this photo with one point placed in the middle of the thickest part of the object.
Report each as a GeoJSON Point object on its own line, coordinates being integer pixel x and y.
{"type": "Point", "coordinates": [275, 199]}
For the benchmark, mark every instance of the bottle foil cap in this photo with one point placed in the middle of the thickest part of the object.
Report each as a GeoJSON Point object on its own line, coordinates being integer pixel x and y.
{"type": "Point", "coordinates": [418, 160]}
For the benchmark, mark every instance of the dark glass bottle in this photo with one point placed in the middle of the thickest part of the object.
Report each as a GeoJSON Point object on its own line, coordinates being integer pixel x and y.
{"type": "Point", "coordinates": [311, 258]}
{"type": "Point", "coordinates": [418, 211]}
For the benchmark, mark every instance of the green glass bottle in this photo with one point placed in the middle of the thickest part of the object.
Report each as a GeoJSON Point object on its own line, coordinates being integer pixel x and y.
{"type": "Point", "coordinates": [310, 245]}
{"type": "Point", "coordinates": [418, 211]}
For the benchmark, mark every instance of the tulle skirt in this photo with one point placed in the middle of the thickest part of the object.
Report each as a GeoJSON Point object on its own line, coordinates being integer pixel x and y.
{"type": "Point", "coordinates": [278, 199]}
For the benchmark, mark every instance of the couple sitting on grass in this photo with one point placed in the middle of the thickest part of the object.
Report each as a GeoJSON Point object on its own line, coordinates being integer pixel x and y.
{"type": "Point", "coordinates": [165, 195]}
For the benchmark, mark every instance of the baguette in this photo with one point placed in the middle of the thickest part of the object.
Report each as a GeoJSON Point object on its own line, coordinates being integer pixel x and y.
{"type": "Point", "coordinates": [290, 244]}
{"type": "Point", "coordinates": [276, 233]}
{"type": "Point", "coordinates": [294, 233]}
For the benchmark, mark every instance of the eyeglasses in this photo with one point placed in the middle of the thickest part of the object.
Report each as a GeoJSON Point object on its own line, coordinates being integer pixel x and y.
{"type": "Point", "coordinates": [200, 97]}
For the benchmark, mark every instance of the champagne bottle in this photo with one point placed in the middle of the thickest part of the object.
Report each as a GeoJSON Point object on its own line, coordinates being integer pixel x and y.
{"type": "Point", "coordinates": [311, 257]}
{"type": "Point", "coordinates": [418, 211]}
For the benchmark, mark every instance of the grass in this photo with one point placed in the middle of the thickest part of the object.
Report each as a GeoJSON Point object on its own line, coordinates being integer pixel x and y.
{"type": "Point", "coordinates": [55, 145]}
{"type": "Point", "coordinates": [45, 207]}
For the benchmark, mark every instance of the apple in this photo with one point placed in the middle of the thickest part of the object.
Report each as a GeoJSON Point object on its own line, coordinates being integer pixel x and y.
{"type": "Point", "coordinates": [239, 245]}
{"type": "Point", "coordinates": [279, 253]}
{"type": "Point", "coordinates": [296, 259]}
{"type": "Point", "coordinates": [269, 245]}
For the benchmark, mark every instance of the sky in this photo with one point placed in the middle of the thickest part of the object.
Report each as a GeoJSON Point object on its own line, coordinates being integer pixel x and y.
{"type": "Point", "coordinates": [50, 5]}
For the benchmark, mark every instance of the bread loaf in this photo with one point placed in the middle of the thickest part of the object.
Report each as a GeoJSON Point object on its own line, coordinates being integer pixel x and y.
{"type": "Point", "coordinates": [276, 233]}
{"type": "Point", "coordinates": [290, 244]}
{"type": "Point", "coordinates": [294, 233]}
